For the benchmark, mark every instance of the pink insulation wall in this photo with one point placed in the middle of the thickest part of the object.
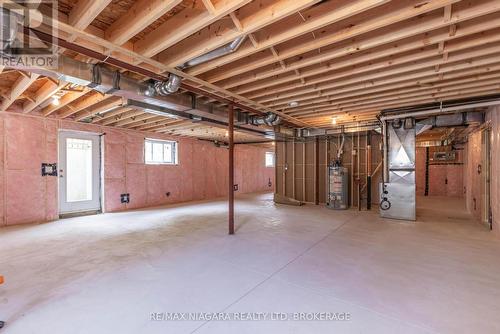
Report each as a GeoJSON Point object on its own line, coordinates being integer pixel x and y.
{"type": "Point", "coordinates": [420, 171]}
{"type": "Point", "coordinates": [27, 141]}
{"type": "Point", "coordinates": [445, 179]}
{"type": "Point", "coordinates": [472, 180]}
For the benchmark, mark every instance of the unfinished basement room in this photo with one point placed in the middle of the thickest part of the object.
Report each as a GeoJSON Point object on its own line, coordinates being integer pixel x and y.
{"type": "Point", "coordinates": [249, 166]}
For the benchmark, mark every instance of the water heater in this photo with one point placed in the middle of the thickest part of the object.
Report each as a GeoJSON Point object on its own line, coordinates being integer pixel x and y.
{"type": "Point", "coordinates": [337, 192]}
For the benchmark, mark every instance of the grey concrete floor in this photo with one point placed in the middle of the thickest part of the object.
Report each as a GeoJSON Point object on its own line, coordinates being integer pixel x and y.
{"type": "Point", "coordinates": [108, 273]}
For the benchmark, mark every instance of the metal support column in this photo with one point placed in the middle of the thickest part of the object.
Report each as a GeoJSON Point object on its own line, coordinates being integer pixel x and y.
{"type": "Point", "coordinates": [231, 168]}
{"type": "Point", "coordinates": [368, 170]}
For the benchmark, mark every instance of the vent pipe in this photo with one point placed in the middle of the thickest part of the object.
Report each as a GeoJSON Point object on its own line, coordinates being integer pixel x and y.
{"type": "Point", "coordinates": [172, 85]}
{"type": "Point", "coordinates": [222, 51]}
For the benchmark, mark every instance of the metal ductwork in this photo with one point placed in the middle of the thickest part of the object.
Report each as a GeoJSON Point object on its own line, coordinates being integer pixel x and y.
{"type": "Point", "coordinates": [445, 107]}
{"type": "Point", "coordinates": [103, 80]}
{"type": "Point", "coordinates": [457, 119]}
{"type": "Point", "coordinates": [164, 88]}
{"type": "Point", "coordinates": [222, 51]}
{"type": "Point", "coordinates": [269, 118]}
{"type": "Point", "coordinates": [361, 127]}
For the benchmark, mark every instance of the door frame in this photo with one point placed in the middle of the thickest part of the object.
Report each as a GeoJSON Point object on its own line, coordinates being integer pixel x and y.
{"type": "Point", "coordinates": [100, 190]}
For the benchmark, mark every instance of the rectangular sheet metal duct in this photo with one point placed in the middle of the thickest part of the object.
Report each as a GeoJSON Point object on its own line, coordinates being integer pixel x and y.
{"type": "Point", "coordinates": [398, 194]}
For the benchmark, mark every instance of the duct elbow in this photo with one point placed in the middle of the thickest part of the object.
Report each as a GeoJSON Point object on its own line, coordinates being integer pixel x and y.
{"type": "Point", "coordinates": [270, 119]}
{"type": "Point", "coordinates": [168, 87]}
{"type": "Point", "coordinates": [164, 88]}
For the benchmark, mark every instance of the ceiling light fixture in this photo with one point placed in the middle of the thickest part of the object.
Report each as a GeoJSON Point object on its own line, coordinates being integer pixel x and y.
{"type": "Point", "coordinates": [293, 104]}
{"type": "Point", "coordinates": [334, 120]}
{"type": "Point", "coordinates": [55, 100]}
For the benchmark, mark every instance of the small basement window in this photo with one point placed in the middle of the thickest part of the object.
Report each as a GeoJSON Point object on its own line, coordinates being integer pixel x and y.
{"type": "Point", "coordinates": [157, 152]}
{"type": "Point", "coordinates": [269, 159]}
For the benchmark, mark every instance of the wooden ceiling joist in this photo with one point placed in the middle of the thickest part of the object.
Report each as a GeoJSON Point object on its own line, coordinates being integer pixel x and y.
{"type": "Point", "coordinates": [182, 25]}
{"type": "Point", "coordinates": [346, 58]}
{"type": "Point", "coordinates": [22, 83]}
{"type": "Point", "coordinates": [122, 116]}
{"type": "Point", "coordinates": [66, 99]}
{"type": "Point", "coordinates": [401, 96]}
{"type": "Point", "coordinates": [108, 104]}
{"type": "Point", "coordinates": [415, 75]}
{"type": "Point", "coordinates": [418, 27]}
{"type": "Point", "coordinates": [84, 12]}
{"type": "Point", "coordinates": [254, 16]}
{"type": "Point", "coordinates": [138, 18]}
{"type": "Point", "coordinates": [407, 11]}
{"type": "Point", "coordinates": [111, 114]}
{"type": "Point", "coordinates": [81, 104]}
{"type": "Point", "coordinates": [45, 92]}
{"type": "Point", "coordinates": [431, 62]}
{"type": "Point", "coordinates": [470, 31]}
{"type": "Point", "coordinates": [318, 17]}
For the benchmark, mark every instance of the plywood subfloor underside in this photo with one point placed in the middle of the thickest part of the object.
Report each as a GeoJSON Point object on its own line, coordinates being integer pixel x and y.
{"type": "Point", "coordinates": [107, 273]}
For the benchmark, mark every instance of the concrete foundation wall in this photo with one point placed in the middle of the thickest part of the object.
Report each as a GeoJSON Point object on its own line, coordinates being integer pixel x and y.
{"type": "Point", "coordinates": [27, 197]}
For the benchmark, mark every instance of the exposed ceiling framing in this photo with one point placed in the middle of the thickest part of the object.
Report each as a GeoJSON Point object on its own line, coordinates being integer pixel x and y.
{"type": "Point", "coordinates": [342, 59]}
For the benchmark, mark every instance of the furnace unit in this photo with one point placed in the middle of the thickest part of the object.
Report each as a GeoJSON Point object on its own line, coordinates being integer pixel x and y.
{"type": "Point", "coordinates": [337, 191]}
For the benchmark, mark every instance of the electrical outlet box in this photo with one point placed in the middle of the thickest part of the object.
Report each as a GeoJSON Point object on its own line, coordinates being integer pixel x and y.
{"type": "Point", "coordinates": [235, 187]}
{"type": "Point", "coordinates": [125, 198]}
{"type": "Point", "coordinates": [49, 169]}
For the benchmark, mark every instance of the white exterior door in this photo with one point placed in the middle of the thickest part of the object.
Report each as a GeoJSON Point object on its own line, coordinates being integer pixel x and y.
{"type": "Point", "coordinates": [79, 172]}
